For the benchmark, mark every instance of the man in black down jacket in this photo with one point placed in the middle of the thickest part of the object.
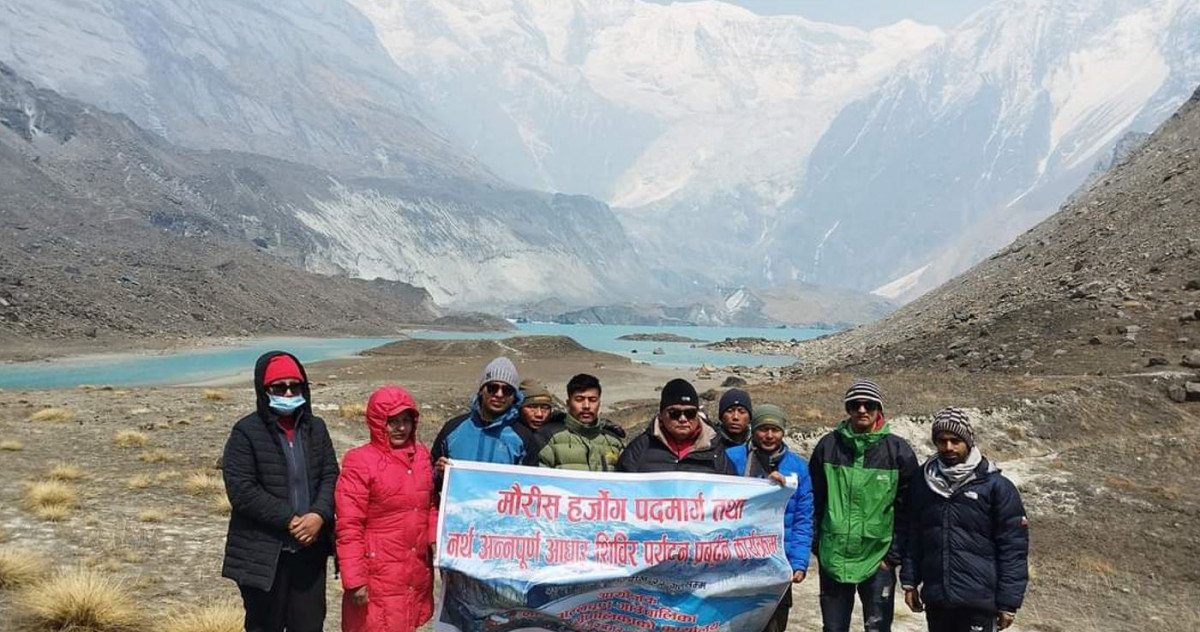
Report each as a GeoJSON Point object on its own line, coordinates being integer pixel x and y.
{"type": "Point", "coordinates": [280, 469]}
{"type": "Point", "coordinates": [969, 546]}
{"type": "Point", "coordinates": [676, 441]}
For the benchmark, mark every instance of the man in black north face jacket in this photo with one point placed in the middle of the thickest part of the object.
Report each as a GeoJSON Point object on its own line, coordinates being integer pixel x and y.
{"type": "Point", "coordinates": [280, 469]}
{"type": "Point", "coordinates": [969, 545]}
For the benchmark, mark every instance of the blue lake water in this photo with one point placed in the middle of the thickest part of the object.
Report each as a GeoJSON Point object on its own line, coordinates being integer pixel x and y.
{"type": "Point", "coordinates": [192, 366]}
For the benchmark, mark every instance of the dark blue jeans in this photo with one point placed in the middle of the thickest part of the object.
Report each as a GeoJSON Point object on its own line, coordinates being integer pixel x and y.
{"type": "Point", "coordinates": [878, 595]}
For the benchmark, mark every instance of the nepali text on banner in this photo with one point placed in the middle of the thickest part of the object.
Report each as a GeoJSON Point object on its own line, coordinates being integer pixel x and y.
{"type": "Point", "coordinates": [533, 549]}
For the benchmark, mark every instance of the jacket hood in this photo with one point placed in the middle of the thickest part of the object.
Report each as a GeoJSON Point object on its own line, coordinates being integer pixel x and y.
{"type": "Point", "coordinates": [385, 402]}
{"type": "Point", "coordinates": [263, 401]}
{"type": "Point", "coordinates": [863, 440]}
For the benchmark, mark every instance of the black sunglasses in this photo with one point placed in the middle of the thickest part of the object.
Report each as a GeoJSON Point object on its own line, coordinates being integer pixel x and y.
{"type": "Point", "coordinates": [853, 405]}
{"type": "Point", "coordinates": [676, 413]}
{"type": "Point", "coordinates": [283, 389]}
{"type": "Point", "coordinates": [494, 388]}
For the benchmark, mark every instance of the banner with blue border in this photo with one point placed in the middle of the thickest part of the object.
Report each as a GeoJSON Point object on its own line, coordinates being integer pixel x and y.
{"type": "Point", "coordinates": [528, 549]}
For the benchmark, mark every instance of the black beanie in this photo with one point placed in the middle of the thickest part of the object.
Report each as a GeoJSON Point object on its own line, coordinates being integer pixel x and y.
{"type": "Point", "coordinates": [678, 391]}
{"type": "Point", "coordinates": [734, 397]}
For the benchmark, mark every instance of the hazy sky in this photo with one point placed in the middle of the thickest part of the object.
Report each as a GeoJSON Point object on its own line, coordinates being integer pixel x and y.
{"type": "Point", "coordinates": [866, 13]}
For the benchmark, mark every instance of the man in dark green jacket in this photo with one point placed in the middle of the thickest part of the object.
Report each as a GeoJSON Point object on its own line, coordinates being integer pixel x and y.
{"type": "Point", "coordinates": [580, 439]}
{"type": "Point", "coordinates": [860, 476]}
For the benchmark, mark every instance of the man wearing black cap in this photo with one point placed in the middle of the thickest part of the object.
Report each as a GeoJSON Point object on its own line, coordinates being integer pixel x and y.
{"type": "Point", "coordinates": [733, 416]}
{"type": "Point", "coordinates": [860, 478]}
{"type": "Point", "coordinates": [676, 440]}
{"type": "Point", "coordinates": [970, 539]}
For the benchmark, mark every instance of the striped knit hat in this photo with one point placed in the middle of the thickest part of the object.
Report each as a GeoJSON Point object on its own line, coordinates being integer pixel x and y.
{"type": "Point", "coordinates": [864, 389]}
{"type": "Point", "coordinates": [954, 421]}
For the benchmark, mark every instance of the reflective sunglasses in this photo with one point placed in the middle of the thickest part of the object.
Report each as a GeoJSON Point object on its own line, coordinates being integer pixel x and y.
{"type": "Point", "coordinates": [853, 405]}
{"type": "Point", "coordinates": [295, 388]}
{"type": "Point", "coordinates": [676, 413]}
{"type": "Point", "coordinates": [495, 388]}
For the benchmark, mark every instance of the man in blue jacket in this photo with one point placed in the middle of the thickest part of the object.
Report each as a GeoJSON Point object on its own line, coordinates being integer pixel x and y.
{"type": "Point", "coordinates": [490, 432]}
{"type": "Point", "coordinates": [767, 456]}
{"type": "Point", "coordinates": [969, 545]}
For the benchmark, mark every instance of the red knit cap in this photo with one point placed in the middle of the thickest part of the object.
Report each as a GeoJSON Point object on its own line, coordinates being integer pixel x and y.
{"type": "Point", "coordinates": [282, 367]}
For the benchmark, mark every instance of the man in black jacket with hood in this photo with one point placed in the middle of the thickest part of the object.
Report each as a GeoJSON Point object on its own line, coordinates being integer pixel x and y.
{"type": "Point", "coordinates": [969, 547]}
{"type": "Point", "coordinates": [280, 469]}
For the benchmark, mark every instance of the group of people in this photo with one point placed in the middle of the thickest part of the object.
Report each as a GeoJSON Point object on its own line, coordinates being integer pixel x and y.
{"type": "Point", "coordinates": [953, 527]}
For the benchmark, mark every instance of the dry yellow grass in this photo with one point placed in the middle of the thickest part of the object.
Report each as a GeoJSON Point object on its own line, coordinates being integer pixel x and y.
{"type": "Point", "coordinates": [65, 472]}
{"type": "Point", "coordinates": [203, 482]}
{"type": "Point", "coordinates": [131, 439]}
{"type": "Point", "coordinates": [53, 414]}
{"type": "Point", "coordinates": [157, 456]}
{"type": "Point", "coordinates": [80, 599]}
{"type": "Point", "coordinates": [152, 515]}
{"type": "Point", "coordinates": [352, 410]}
{"type": "Point", "coordinates": [219, 616]}
{"type": "Point", "coordinates": [11, 445]}
{"type": "Point", "coordinates": [139, 481]}
{"type": "Point", "coordinates": [220, 504]}
{"type": "Point", "coordinates": [19, 567]}
{"type": "Point", "coordinates": [215, 395]}
{"type": "Point", "coordinates": [50, 500]}
{"type": "Point", "coordinates": [1097, 566]}
{"type": "Point", "coordinates": [166, 476]}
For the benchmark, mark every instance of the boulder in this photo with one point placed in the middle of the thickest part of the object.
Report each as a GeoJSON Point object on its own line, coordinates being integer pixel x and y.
{"type": "Point", "coordinates": [1157, 361]}
{"type": "Point", "coordinates": [1191, 359]}
{"type": "Point", "coordinates": [1192, 389]}
{"type": "Point", "coordinates": [733, 382]}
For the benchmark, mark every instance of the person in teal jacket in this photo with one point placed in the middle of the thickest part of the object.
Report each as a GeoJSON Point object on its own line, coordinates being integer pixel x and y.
{"type": "Point", "coordinates": [860, 477]}
{"type": "Point", "coordinates": [767, 456]}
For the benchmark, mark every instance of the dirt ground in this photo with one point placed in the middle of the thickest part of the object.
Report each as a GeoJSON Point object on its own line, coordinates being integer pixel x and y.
{"type": "Point", "coordinates": [1105, 466]}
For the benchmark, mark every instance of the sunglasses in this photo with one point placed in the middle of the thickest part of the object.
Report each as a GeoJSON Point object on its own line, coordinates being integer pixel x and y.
{"type": "Point", "coordinates": [853, 406]}
{"type": "Point", "coordinates": [495, 388]}
{"type": "Point", "coordinates": [283, 389]}
{"type": "Point", "coordinates": [676, 413]}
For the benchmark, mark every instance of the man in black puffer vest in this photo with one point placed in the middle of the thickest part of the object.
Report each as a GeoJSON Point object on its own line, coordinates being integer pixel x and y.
{"type": "Point", "coordinates": [969, 546]}
{"type": "Point", "coordinates": [280, 469]}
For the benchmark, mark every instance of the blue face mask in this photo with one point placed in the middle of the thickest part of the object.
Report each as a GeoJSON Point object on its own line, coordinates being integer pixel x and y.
{"type": "Point", "coordinates": [286, 405]}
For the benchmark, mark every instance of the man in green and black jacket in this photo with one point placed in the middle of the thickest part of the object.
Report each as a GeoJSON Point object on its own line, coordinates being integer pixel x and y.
{"type": "Point", "coordinates": [580, 439]}
{"type": "Point", "coordinates": [860, 476]}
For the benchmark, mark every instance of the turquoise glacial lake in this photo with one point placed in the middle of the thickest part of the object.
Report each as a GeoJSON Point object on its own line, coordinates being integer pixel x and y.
{"type": "Point", "coordinates": [194, 366]}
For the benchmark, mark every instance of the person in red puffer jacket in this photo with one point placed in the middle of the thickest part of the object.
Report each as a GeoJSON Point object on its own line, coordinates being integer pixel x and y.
{"type": "Point", "coordinates": [387, 521]}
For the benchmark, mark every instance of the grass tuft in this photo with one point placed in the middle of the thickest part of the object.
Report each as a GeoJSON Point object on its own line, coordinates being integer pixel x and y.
{"type": "Point", "coordinates": [221, 505]}
{"type": "Point", "coordinates": [152, 515]}
{"type": "Point", "coordinates": [50, 500]}
{"type": "Point", "coordinates": [53, 414]}
{"type": "Point", "coordinates": [131, 439]}
{"type": "Point", "coordinates": [203, 482]}
{"type": "Point", "coordinates": [139, 481]}
{"type": "Point", "coordinates": [10, 445]}
{"type": "Point", "coordinates": [1097, 566]}
{"type": "Point", "coordinates": [19, 567]}
{"type": "Point", "coordinates": [65, 473]}
{"type": "Point", "coordinates": [218, 616]}
{"type": "Point", "coordinates": [80, 599]}
{"type": "Point", "coordinates": [157, 456]}
{"type": "Point", "coordinates": [215, 395]}
{"type": "Point", "coordinates": [352, 410]}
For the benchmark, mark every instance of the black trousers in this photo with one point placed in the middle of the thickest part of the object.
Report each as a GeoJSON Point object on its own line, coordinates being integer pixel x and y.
{"type": "Point", "coordinates": [296, 601]}
{"type": "Point", "coordinates": [878, 595]}
{"type": "Point", "coordinates": [779, 620]}
{"type": "Point", "coordinates": [960, 620]}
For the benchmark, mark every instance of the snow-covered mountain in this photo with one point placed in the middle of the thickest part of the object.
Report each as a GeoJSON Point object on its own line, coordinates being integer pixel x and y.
{"type": "Point", "coordinates": [982, 136]}
{"type": "Point", "coordinates": [295, 79]}
{"type": "Point", "coordinates": [633, 102]}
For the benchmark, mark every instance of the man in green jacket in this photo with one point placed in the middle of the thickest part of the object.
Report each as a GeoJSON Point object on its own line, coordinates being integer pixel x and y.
{"type": "Point", "coordinates": [580, 439]}
{"type": "Point", "coordinates": [860, 476]}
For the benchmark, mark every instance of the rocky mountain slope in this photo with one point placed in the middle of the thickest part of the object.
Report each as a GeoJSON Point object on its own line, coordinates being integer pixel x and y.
{"type": "Point", "coordinates": [1110, 283]}
{"type": "Point", "coordinates": [302, 81]}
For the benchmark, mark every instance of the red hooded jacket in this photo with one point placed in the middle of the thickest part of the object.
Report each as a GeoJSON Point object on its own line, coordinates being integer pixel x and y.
{"type": "Point", "coordinates": [386, 521]}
